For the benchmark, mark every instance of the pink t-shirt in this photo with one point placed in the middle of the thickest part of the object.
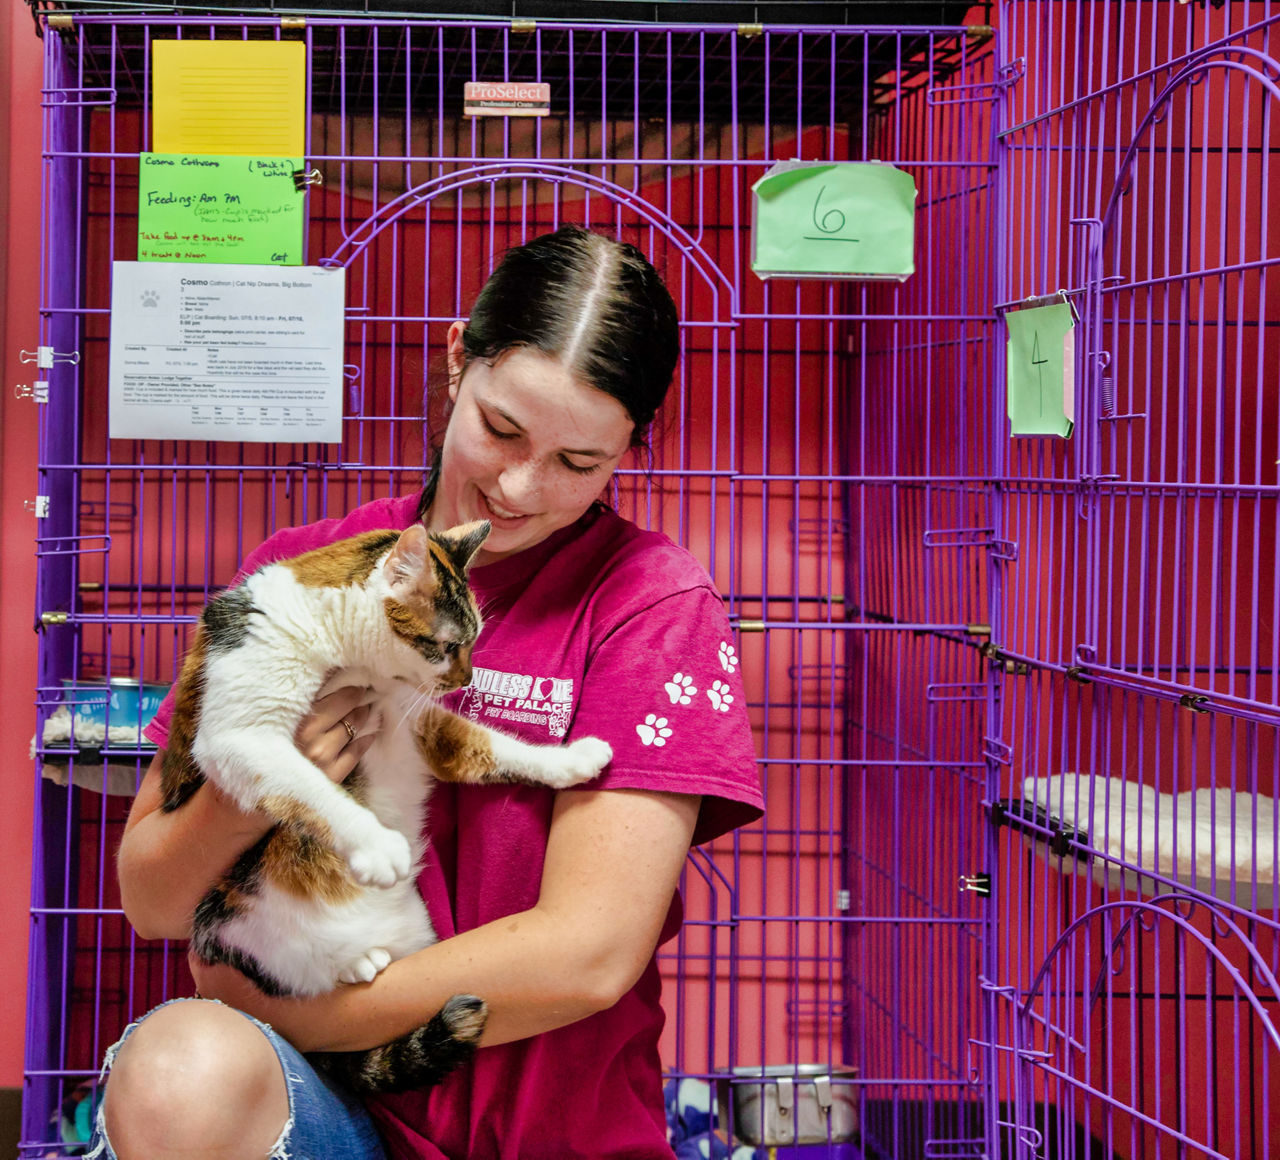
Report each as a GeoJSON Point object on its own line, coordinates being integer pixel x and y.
{"type": "Point", "coordinates": [602, 629]}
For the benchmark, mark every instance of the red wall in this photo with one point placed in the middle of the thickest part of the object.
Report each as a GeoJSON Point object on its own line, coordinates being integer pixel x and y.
{"type": "Point", "coordinates": [19, 282]}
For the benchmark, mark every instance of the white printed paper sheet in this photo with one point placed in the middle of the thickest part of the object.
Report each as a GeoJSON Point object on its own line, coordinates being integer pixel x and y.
{"type": "Point", "coordinates": [226, 352]}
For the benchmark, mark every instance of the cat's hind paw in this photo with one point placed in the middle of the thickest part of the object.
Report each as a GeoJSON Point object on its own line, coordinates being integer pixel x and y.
{"type": "Point", "coordinates": [382, 861]}
{"type": "Point", "coordinates": [582, 760]}
{"type": "Point", "coordinates": [365, 969]}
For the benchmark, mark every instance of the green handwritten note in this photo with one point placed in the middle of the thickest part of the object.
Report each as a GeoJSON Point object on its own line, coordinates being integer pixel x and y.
{"type": "Point", "coordinates": [851, 219]}
{"type": "Point", "coordinates": [1040, 379]}
{"type": "Point", "coordinates": [202, 208]}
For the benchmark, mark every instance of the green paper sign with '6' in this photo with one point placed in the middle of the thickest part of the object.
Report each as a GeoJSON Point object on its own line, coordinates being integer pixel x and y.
{"type": "Point", "coordinates": [850, 219]}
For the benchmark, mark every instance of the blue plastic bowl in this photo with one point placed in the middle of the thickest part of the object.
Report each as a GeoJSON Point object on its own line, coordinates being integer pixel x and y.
{"type": "Point", "coordinates": [125, 701]}
{"type": "Point", "coordinates": [86, 700]}
{"type": "Point", "coordinates": [133, 703]}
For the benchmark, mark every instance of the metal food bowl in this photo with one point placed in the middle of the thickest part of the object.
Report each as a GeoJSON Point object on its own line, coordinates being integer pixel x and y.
{"type": "Point", "coordinates": [789, 1104]}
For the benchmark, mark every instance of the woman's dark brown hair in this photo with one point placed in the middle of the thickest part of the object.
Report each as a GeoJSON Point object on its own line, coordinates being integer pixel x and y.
{"type": "Point", "coordinates": [593, 303]}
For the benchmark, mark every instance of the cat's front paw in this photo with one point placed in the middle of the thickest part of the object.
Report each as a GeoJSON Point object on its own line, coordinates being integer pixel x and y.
{"type": "Point", "coordinates": [382, 860]}
{"type": "Point", "coordinates": [581, 760]}
{"type": "Point", "coordinates": [365, 968]}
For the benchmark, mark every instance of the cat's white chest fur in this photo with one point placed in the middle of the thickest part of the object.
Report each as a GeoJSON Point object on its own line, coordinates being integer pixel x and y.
{"type": "Point", "coordinates": [310, 946]}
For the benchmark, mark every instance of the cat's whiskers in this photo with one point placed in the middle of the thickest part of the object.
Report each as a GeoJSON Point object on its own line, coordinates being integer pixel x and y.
{"type": "Point", "coordinates": [423, 695]}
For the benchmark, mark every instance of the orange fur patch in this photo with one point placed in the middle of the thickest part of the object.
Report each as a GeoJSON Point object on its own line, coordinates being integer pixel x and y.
{"type": "Point", "coordinates": [300, 859]}
{"type": "Point", "coordinates": [406, 622]}
{"type": "Point", "coordinates": [455, 748]}
{"type": "Point", "coordinates": [343, 563]}
{"type": "Point", "coordinates": [180, 776]}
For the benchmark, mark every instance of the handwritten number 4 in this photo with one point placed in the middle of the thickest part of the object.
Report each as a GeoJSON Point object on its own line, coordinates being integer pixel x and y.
{"type": "Point", "coordinates": [1039, 363]}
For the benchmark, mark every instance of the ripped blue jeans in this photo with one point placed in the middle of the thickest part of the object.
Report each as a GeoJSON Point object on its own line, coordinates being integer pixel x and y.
{"type": "Point", "coordinates": [325, 1122]}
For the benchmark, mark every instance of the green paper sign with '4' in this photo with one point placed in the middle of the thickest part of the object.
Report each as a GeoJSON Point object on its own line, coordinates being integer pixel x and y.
{"type": "Point", "coordinates": [1040, 370]}
{"type": "Point", "coordinates": [849, 219]}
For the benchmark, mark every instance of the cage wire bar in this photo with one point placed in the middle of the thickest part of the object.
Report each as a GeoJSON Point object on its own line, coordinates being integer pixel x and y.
{"type": "Point", "coordinates": [1135, 715]}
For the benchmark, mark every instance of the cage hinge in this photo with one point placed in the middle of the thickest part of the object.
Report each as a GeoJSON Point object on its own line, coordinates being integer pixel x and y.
{"type": "Point", "coordinates": [39, 506]}
{"type": "Point", "coordinates": [979, 32]}
{"type": "Point", "coordinates": [293, 23]}
{"type": "Point", "coordinates": [750, 31]}
{"type": "Point", "coordinates": [1002, 660]}
{"type": "Point", "coordinates": [979, 884]}
{"type": "Point", "coordinates": [1034, 821]}
{"type": "Point", "coordinates": [750, 626]}
{"type": "Point", "coordinates": [39, 391]}
{"type": "Point", "coordinates": [523, 24]}
{"type": "Point", "coordinates": [48, 619]}
{"type": "Point", "coordinates": [1196, 702]}
{"type": "Point", "coordinates": [977, 630]}
{"type": "Point", "coordinates": [60, 21]}
{"type": "Point", "coordinates": [1077, 673]}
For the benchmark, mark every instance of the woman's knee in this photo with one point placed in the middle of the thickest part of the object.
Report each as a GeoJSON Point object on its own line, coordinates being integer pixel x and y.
{"type": "Point", "coordinates": [195, 1075]}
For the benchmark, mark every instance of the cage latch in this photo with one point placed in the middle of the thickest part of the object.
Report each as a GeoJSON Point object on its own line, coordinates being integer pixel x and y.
{"type": "Point", "coordinates": [979, 884]}
{"type": "Point", "coordinates": [999, 751]}
{"type": "Point", "coordinates": [1196, 702]}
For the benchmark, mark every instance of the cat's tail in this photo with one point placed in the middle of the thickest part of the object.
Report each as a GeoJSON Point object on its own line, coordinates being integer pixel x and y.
{"type": "Point", "coordinates": [417, 1060]}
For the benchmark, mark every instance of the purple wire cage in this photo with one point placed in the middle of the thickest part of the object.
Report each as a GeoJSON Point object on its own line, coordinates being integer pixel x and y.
{"type": "Point", "coordinates": [1014, 697]}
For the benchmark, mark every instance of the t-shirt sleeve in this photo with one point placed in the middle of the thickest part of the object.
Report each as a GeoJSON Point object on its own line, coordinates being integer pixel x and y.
{"type": "Point", "coordinates": [664, 688]}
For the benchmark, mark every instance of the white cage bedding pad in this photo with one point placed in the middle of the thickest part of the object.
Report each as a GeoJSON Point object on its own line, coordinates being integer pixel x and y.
{"type": "Point", "coordinates": [1197, 837]}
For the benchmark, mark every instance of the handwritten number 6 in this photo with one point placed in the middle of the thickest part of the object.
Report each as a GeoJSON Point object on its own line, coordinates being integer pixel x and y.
{"type": "Point", "coordinates": [836, 214]}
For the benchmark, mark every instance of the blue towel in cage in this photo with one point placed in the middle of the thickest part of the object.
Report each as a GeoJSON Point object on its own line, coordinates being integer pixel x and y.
{"type": "Point", "coordinates": [692, 1127]}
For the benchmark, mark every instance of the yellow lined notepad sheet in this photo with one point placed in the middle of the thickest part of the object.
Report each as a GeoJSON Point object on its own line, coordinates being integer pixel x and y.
{"type": "Point", "coordinates": [228, 97]}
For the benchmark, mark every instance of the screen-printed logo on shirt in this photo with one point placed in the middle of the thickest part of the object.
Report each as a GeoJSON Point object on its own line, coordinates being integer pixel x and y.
{"type": "Point", "coordinates": [494, 696]}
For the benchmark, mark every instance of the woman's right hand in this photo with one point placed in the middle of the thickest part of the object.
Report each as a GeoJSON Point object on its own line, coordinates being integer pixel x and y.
{"type": "Point", "coordinates": [332, 735]}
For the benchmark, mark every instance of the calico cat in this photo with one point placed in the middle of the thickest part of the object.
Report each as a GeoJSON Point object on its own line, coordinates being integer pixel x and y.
{"type": "Point", "coordinates": [328, 895]}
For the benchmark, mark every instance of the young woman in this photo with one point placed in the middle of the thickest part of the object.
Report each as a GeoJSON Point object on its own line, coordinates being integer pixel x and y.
{"type": "Point", "coordinates": [548, 905]}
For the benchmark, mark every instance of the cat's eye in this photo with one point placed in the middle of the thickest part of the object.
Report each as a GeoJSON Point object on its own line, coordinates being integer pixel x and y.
{"type": "Point", "coordinates": [451, 648]}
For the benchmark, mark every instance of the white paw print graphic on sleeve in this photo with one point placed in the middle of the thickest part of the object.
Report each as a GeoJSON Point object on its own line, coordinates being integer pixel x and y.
{"type": "Point", "coordinates": [654, 730]}
{"type": "Point", "coordinates": [728, 656]}
{"type": "Point", "coordinates": [680, 689]}
{"type": "Point", "coordinates": [719, 696]}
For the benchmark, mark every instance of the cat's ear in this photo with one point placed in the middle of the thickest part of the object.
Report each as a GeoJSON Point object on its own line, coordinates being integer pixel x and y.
{"type": "Point", "coordinates": [463, 542]}
{"type": "Point", "coordinates": [407, 564]}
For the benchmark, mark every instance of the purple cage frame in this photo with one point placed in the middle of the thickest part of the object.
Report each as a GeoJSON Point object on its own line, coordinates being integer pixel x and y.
{"type": "Point", "coordinates": [973, 658]}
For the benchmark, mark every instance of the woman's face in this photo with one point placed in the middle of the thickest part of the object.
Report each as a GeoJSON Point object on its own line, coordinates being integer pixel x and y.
{"type": "Point", "coordinates": [528, 448]}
